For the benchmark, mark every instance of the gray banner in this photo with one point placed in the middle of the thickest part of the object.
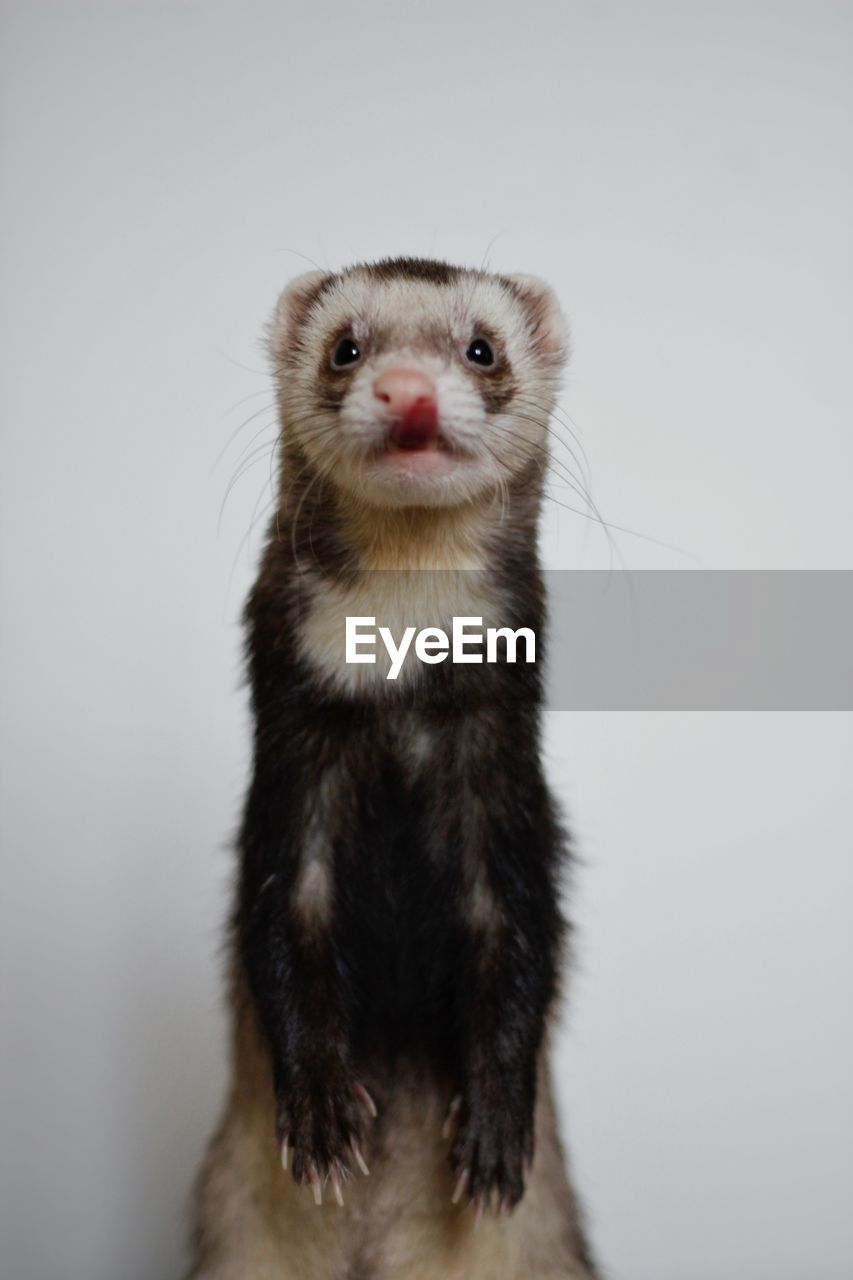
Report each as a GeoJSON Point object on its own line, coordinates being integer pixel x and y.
{"type": "Point", "coordinates": [700, 640]}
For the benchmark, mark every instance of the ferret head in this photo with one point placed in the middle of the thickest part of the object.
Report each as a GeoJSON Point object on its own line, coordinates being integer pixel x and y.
{"type": "Point", "coordinates": [412, 383]}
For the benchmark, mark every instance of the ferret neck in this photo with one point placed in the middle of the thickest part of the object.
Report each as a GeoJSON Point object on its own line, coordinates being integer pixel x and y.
{"type": "Point", "coordinates": [327, 529]}
{"type": "Point", "coordinates": [423, 537]}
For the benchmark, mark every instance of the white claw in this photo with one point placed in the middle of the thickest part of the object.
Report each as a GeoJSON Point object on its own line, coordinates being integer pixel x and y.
{"type": "Point", "coordinates": [461, 1183]}
{"type": "Point", "coordinates": [317, 1189]}
{"type": "Point", "coordinates": [284, 1154]}
{"type": "Point", "coordinates": [365, 1097]}
{"type": "Point", "coordinates": [339, 1195]}
{"type": "Point", "coordinates": [359, 1159]}
{"type": "Point", "coordinates": [452, 1113]}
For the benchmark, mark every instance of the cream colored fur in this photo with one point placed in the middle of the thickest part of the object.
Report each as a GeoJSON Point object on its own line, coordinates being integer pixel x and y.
{"type": "Point", "coordinates": [398, 1223]}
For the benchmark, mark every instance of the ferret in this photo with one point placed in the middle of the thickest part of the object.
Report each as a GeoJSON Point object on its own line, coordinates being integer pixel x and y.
{"type": "Point", "coordinates": [397, 934]}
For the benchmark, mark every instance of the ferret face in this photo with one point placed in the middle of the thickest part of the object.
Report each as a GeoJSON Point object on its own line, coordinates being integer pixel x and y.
{"type": "Point", "coordinates": [412, 383]}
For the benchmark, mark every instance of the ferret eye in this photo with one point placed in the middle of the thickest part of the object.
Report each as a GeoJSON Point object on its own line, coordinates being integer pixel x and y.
{"type": "Point", "coordinates": [346, 352]}
{"type": "Point", "coordinates": [481, 353]}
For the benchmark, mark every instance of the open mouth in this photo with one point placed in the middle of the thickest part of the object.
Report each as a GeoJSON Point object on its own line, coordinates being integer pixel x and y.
{"type": "Point", "coordinates": [416, 441]}
{"type": "Point", "coordinates": [414, 446]}
{"type": "Point", "coordinates": [418, 444]}
{"type": "Point", "coordinates": [432, 453]}
{"type": "Point", "coordinates": [433, 456]}
{"type": "Point", "coordinates": [417, 430]}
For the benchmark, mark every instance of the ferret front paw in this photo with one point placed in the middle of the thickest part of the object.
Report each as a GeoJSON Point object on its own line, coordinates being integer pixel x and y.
{"type": "Point", "coordinates": [321, 1132]}
{"type": "Point", "coordinates": [491, 1153]}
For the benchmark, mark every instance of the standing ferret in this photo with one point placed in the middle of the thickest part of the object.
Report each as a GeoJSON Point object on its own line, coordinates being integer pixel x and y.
{"type": "Point", "coordinates": [397, 931]}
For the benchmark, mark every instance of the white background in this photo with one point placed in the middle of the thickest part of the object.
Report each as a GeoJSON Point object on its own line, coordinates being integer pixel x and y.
{"type": "Point", "coordinates": [682, 173]}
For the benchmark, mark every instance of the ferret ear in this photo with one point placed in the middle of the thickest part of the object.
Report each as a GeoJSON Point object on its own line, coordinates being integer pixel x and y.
{"type": "Point", "coordinates": [293, 306]}
{"type": "Point", "coordinates": [549, 331]}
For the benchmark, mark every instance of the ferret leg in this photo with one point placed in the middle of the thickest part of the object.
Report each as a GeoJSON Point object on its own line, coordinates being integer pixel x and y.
{"type": "Point", "coordinates": [298, 806]}
{"type": "Point", "coordinates": [501, 1017]}
{"type": "Point", "coordinates": [502, 831]}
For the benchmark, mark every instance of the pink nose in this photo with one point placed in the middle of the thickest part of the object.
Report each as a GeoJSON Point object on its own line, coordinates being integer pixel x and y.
{"type": "Point", "coordinates": [399, 389]}
{"type": "Point", "coordinates": [408, 395]}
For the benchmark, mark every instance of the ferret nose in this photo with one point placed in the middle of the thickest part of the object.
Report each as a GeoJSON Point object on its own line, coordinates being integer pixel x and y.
{"type": "Point", "coordinates": [409, 396]}
{"type": "Point", "coordinates": [399, 389]}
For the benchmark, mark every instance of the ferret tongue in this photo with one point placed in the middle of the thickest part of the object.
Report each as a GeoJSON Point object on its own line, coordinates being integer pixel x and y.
{"type": "Point", "coordinates": [418, 426]}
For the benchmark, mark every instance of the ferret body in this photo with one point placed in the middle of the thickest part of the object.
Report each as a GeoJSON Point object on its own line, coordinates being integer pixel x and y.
{"type": "Point", "coordinates": [397, 935]}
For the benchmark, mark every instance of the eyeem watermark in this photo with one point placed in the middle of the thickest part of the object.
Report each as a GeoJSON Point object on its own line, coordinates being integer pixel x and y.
{"type": "Point", "coordinates": [465, 643]}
